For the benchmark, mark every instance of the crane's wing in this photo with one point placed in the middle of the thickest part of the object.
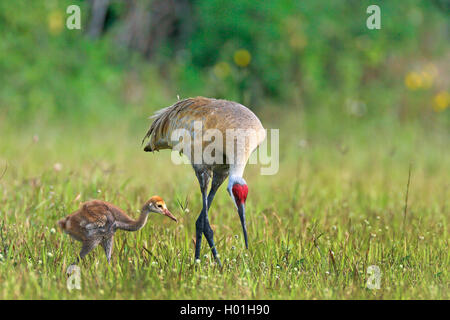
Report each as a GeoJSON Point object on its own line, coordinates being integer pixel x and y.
{"type": "Point", "coordinates": [165, 120]}
{"type": "Point", "coordinates": [97, 218]}
{"type": "Point", "coordinates": [214, 114]}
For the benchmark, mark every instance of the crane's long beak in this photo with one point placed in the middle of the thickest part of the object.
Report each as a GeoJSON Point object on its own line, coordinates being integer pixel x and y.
{"type": "Point", "coordinates": [241, 211]}
{"type": "Point", "coordinates": [170, 215]}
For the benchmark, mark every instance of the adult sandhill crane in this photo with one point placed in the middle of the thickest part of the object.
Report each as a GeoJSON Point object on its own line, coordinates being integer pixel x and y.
{"type": "Point", "coordinates": [97, 221]}
{"type": "Point", "coordinates": [241, 133]}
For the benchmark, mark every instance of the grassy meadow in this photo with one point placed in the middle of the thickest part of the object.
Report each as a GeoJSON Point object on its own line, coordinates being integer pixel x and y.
{"type": "Point", "coordinates": [336, 207]}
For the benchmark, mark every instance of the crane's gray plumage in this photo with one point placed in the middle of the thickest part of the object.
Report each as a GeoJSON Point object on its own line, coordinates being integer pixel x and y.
{"type": "Point", "coordinates": [223, 116]}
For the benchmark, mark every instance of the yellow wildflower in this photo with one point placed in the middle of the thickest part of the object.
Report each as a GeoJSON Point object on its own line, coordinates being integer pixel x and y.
{"type": "Point", "coordinates": [441, 101]}
{"type": "Point", "coordinates": [413, 81]}
{"type": "Point", "coordinates": [242, 57]}
{"type": "Point", "coordinates": [55, 22]}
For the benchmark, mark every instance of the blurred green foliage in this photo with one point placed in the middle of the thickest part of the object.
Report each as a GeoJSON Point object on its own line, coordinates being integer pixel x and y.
{"type": "Point", "coordinates": [310, 54]}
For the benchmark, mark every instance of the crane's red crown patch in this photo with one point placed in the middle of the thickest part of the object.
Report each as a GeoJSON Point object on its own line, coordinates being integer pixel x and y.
{"type": "Point", "coordinates": [240, 193]}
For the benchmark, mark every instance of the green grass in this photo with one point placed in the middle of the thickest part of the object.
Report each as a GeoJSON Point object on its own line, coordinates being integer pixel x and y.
{"type": "Point", "coordinates": [335, 208]}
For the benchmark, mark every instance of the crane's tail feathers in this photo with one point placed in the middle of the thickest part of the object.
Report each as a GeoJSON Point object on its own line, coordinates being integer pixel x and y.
{"type": "Point", "coordinates": [158, 133]}
{"type": "Point", "coordinates": [157, 116]}
{"type": "Point", "coordinates": [146, 136]}
{"type": "Point", "coordinates": [160, 112]}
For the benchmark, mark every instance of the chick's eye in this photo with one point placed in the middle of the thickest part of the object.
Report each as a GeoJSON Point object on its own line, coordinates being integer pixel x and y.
{"type": "Point", "coordinates": [159, 206]}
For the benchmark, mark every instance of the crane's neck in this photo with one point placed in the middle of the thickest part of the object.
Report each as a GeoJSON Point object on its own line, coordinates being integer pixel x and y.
{"type": "Point", "coordinates": [236, 172]}
{"type": "Point", "coordinates": [139, 223]}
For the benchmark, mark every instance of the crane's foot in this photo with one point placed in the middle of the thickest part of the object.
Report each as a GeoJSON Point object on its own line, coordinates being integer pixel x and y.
{"type": "Point", "coordinates": [198, 237]}
{"type": "Point", "coordinates": [209, 237]}
{"type": "Point", "coordinates": [216, 256]}
{"type": "Point", "coordinates": [72, 268]}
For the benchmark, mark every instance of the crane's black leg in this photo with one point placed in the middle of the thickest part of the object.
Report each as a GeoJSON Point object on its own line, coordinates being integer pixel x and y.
{"type": "Point", "coordinates": [217, 181]}
{"type": "Point", "coordinates": [218, 178]}
{"type": "Point", "coordinates": [203, 179]}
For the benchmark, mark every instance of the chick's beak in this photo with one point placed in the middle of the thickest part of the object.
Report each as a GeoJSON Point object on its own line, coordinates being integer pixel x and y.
{"type": "Point", "coordinates": [170, 215]}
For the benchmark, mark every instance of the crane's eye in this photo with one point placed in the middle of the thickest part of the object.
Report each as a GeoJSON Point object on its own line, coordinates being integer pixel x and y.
{"type": "Point", "coordinates": [159, 206]}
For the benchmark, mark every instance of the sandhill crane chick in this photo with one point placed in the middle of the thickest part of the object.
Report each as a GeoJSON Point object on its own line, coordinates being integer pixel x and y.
{"type": "Point", "coordinates": [97, 221]}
